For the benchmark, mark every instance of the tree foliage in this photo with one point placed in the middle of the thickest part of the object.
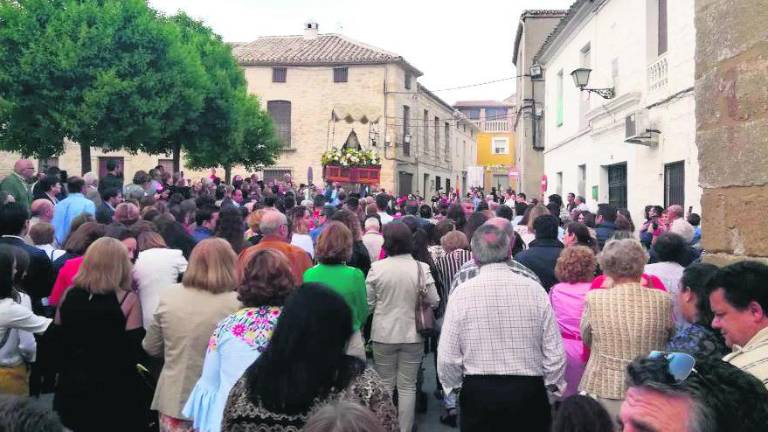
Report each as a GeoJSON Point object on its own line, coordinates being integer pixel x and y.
{"type": "Point", "coordinates": [231, 129]}
{"type": "Point", "coordinates": [115, 74]}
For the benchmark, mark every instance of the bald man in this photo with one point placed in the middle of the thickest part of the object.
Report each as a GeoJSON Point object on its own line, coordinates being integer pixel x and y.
{"type": "Point", "coordinates": [17, 184]}
{"type": "Point", "coordinates": [276, 235]}
{"type": "Point", "coordinates": [42, 211]}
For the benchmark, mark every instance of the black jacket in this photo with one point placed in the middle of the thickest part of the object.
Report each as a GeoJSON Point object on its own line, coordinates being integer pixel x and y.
{"type": "Point", "coordinates": [110, 182]}
{"type": "Point", "coordinates": [541, 257]}
{"type": "Point", "coordinates": [39, 279]}
{"type": "Point", "coordinates": [104, 214]}
{"type": "Point", "coordinates": [603, 232]}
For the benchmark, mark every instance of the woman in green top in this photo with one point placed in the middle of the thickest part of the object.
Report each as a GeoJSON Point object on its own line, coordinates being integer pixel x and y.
{"type": "Point", "coordinates": [333, 250]}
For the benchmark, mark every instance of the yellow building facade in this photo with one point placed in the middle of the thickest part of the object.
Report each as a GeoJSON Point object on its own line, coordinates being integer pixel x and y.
{"type": "Point", "coordinates": [495, 143]}
{"type": "Point", "coordinates": [496, 154]}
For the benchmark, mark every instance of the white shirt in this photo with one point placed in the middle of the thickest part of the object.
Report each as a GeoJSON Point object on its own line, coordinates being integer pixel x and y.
{"type": "Point", "coordinates": [385, 218]}
{"type": "Point", "coordinates": [304, 241]}
{"type": "Point", "coordinates": [51, 252]}
{"type": "Point", "coordinates": [155, 271]}
{"type": "Point", "coordinates": [19, 320]}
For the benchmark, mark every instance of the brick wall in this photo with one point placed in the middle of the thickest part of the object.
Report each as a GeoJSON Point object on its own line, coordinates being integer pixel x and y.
{"type": "Point", "coordinates": [732, 126]}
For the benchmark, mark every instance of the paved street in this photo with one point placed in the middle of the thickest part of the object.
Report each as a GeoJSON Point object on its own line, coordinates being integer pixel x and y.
{"type": "Point", "coordinates": [430, 421]}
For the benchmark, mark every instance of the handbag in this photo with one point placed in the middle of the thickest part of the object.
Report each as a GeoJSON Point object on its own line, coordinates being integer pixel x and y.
{"type": "Point", "coordinates": [425, 316]}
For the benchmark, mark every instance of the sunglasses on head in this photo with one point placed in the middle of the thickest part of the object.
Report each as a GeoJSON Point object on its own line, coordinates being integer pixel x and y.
{"type": "Point", "coordinates": [680, 365]}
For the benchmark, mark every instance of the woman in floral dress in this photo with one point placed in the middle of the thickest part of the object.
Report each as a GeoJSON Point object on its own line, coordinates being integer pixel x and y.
{"type": "Point", "coordinates": [241, 337]}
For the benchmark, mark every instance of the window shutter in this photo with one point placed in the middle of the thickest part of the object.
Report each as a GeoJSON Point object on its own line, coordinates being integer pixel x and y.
{"type": "Point", "coordinates": [340, 74]}
{"type": "Point", "coordinates": [662, 26]}
{"type": "Point", "coordinates": [279, 74]}
{"type": "Point", "coordinates": [280, 111]}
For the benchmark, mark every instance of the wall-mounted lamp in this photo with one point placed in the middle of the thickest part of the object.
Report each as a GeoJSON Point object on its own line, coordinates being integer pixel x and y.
{"type": "Point", "coordinates": [407, 138]}
{"type": "Point", "coordinates": [581, 79]}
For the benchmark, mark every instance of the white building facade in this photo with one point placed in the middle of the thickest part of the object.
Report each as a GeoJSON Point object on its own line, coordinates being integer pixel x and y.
{"type": "Point", "coordinates": [639, 147]}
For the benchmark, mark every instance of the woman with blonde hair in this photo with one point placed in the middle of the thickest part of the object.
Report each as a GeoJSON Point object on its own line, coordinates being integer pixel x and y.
{"type": "Point", "coordinates": [157, 268]}
{"type": "Point", "coordinates": [186, 316]}
{"type": "Point", "coordinates": [240, 338]}
{"type": "Point", "coordinates": [100, 345]}
{"type": "Point", "coordinates": [575, 269]}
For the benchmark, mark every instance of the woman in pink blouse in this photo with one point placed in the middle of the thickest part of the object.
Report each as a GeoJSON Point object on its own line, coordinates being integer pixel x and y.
{"type": "Point", "coordinates": [575, 270]}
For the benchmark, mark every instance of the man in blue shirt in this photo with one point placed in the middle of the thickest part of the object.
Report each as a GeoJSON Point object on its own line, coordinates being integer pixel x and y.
{"type": "Point", "coordinates": [206, 219]}
{"type": "Point", "coordinates": [71, 207]}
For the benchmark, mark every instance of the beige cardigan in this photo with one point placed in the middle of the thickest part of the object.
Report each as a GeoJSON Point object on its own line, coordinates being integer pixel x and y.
{"type": "Point", "coordinates": [620, 324]}
{"type": "Point", "coordinates": [179, 332]}
{"type": "Point", "coordinates": [392, 290]}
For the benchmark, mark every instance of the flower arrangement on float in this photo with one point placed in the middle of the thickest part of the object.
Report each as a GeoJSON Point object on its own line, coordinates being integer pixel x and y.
{"type": "Point", "coordinates": [351, 166]}
{"type": "Point", "coordinates": [347, 157]}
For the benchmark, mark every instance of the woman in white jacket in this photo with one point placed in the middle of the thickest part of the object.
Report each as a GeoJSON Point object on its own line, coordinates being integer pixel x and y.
{"type": "Point", "coordinates": [156, 269]}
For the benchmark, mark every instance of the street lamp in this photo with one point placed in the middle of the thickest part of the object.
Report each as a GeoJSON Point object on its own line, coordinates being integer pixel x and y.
{"type": "Point", "coordinates": [581, 79]}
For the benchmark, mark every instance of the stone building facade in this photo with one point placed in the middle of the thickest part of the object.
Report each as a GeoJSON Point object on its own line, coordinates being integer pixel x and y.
{"type": "Point", "coordinates": [326, 90]}
{"type": "Point", "coordinates": [732, 127]}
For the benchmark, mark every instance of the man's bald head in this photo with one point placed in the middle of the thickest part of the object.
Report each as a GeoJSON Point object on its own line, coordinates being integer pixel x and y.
{"type": "Point", "coordinates": [505, 226]}
{"type": "Point", "coordinates": [43, 209]}
{"type": "Point", "coordinates": [272, 223]}
{"type": "Point", "coordinates": [24, 168]}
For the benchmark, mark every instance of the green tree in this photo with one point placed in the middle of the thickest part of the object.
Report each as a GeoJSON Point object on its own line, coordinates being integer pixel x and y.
{"type": "Point", "coordinates": [231, 129]}
{"type": "Point", "coordinates": [105, 73]}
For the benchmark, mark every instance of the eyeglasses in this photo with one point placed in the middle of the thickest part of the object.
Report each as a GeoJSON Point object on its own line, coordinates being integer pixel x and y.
{"type": "Point", "coordinates": [680, 364]}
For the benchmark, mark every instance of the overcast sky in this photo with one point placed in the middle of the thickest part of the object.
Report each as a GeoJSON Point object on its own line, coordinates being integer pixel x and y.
{"type": "Point", "coordinates": [453, 43]}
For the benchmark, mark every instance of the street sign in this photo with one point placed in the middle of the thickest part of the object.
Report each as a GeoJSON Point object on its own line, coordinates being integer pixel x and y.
{"type": "Point", "coordinates": [513, 172]}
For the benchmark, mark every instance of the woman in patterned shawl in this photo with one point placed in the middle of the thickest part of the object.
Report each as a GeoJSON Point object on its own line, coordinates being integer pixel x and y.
{"type": "Point", "coordinates": [305, 367]}
{"type": "Point", "coordinates": [241, 337]}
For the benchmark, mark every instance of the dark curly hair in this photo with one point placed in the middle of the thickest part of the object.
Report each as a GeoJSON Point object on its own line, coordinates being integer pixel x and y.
{"type": "Point", "coordinates": [582, 414]}
{"type": "Point", "coordinates": [232, 228]}
{"type": "Point", "coordinates": [670, 247]}
{"type": "Point", "coordinates": [267, 279]}
{"type": "Point", "coordinates": [724, 398]}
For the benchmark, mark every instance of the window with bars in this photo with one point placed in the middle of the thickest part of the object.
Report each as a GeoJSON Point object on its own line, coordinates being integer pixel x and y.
{"type": "Point", "coordinates": [437, 137]}
{"type": "Point", "coordinates": [280, 111]}
{"type": "Point", "coordinates": [279, 74]}
{"type": "Point", "coordinates": [425, 132]}
{"type": "Point", "coordinates": [617, 185]}
{"type": "Point", "coordinates": [674, 184]}
{"type": "Point", "coordinates": [272, 174]}
{"type": "Point", "coordinates": [559, 103]}
{"type": "Point", "coordinates": [447, 141]}
{"type": "Point", "coordinates": [408, 80]}
{"type": "Point", "coordinates": [340, 74]}
{"type": "Point", "coordinates": [406, 130]}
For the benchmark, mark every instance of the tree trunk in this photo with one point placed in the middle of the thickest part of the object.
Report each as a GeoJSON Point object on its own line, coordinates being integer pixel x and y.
{"type": "Point", "coordinates": [177, 157]}
{"type": "Point", "coordinates": [85, 158]}
{"type": "Point", "coordinates": [227, 174]}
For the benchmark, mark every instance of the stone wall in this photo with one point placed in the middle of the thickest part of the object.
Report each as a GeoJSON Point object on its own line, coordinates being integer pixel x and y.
{"type": "Point", "coordinates": [732, 126]}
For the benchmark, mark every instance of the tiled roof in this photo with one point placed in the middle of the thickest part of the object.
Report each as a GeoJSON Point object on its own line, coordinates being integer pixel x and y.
{"type": "Point", "coordinates": [541, 13]}
{"type": "Point", "coordinates": [325, 49]}
{"type": "Point", "coordinates": [533, 13]}
{"type": "Point", "coordinates": [572, 11]}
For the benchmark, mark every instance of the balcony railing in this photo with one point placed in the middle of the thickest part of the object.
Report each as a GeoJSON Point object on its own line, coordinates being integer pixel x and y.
{"type": "Point", "coordinates": [493, 125]}
{"type": "Point", "coordinates": [658, 74]}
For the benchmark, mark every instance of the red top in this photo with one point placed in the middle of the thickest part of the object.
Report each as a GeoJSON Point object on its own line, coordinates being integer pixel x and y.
{"type": "Point", "coordinates": [649, 281]}
{"type": "Point", "coordinates": [64, 280]}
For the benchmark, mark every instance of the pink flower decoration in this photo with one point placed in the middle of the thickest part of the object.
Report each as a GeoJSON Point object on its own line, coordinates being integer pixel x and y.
{"type": "Point", "coordinates": [238, 329]}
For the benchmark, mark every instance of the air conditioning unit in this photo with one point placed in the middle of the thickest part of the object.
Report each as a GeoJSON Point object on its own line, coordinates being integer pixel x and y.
{"type": "Point", "coordinates": [638, 130]}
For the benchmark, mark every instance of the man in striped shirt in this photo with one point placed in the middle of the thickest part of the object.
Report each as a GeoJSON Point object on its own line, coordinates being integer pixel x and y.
{"type": "Point", "coordinates": [470, 269]}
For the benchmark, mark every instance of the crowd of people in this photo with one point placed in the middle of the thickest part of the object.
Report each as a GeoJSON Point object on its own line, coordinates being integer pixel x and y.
{"type": "Point", "coordinates": [177, 305]}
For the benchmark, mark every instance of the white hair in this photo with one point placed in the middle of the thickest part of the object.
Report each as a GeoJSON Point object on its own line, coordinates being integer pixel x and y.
{"type": "Point", "coordinates": [90, 178]}
{"type": "Point", "coordinates": [682, 228]}
{"type": "Point", "coordinates": [371, 223]}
